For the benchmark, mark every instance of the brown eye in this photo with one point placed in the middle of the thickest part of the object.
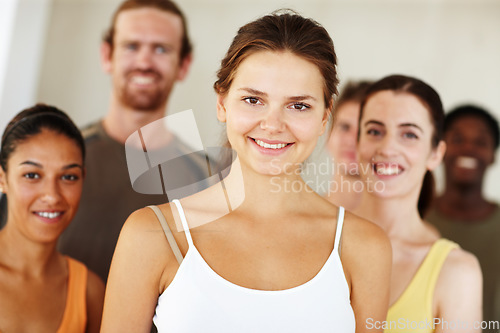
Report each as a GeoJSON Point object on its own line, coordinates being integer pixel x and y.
{"type": "Point", "coordinates": [70, 177]}
{"type": "Point", "coordinates": [373, 132]}
{"type": "Point", "coordinates": [300, 107]}
{"type": "Point", "coordinates": [481, 143]}
{"type": "Point", "coordinates": [252, 100]}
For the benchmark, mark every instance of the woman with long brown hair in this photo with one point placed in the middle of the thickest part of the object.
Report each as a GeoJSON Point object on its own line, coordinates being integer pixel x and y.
{"type": "Point", "coordinates": [281, 258]}
{"type": "Point", "coordinates": [435, 286]}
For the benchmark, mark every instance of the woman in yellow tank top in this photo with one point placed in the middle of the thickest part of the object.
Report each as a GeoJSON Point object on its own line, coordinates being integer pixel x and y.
{"type": "Point", "coordinates": [41, 174]}
{"type": "Point", "coordinates": [435, 286]}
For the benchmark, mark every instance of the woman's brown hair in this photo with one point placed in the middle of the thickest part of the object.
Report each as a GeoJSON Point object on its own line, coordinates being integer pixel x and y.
{"type": "Point", "coordinates": [282, 31]}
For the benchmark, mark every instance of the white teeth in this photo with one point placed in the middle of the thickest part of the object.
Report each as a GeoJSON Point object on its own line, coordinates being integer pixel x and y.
{"type": "Point", "coordinates": [142, 79]}
{"type": "Point", "coordinates": [48, 215]}
{"type": "Point", "coordinates": [270, 146]}
{"type": "Point", "coordinates": [467, 162]}
{"type": "Point", "coordinates": [387, 170]}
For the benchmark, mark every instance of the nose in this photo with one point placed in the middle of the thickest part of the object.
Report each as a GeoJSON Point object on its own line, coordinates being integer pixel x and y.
{"type": "Point", "coordinates": [144, 58]}
{"type": "Point", "coordinates": [51, 192]}
{"type": "Point", "coordinates": [351, 138]}
{"type": "Point", "coordinates": [273, 120]}
{"type": "Point", "coordinates": [388, 146]}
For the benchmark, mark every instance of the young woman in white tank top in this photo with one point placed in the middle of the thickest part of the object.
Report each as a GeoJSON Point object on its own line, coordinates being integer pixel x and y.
{"type": "Point", "coordinates": [280, 258]}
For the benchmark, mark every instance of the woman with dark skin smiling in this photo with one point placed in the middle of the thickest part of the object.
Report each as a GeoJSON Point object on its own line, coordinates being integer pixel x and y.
{"type": "Point", "coordinates": [41, 159]}
{"type": "Point", "coordinates": [435, 286]}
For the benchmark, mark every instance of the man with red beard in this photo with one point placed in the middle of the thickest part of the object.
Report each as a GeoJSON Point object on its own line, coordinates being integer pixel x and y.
{"type": "Point", "coordinates": [145, 51]}
{"type": "Point", "coordinates": [462, 213]}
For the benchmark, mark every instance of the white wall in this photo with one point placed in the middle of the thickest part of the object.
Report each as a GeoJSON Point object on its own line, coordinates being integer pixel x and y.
{"type": "Point", "coordinates": [453, 45]}
{"type": "Point", "coordinates": [22, 43]}
{"type": "Point", "coordinates": [7, 17]}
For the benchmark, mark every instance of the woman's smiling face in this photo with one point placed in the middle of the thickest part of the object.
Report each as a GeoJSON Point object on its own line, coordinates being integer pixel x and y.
{"type": "Point", "coordinates": [43, 185]}
{"type": "Point", "coordinates": [395, 148]}
{"type": "Point", "coordinates": [274, 110]}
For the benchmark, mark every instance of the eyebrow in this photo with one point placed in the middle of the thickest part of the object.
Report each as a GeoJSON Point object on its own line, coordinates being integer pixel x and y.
{"type": "Point", "coordinates": [38, 165]}
{"type": "Point", "coordinates": [74, 165]}
{"type": "Point", "coordinates": [261, 93]}
{"type": "Point", "coordinates": [254, 91]}
{"type": "Point", "coordinates": [412, 125]}
{"type": "Point", "coordinates": [31, 163]}
{"type": "Point", "coordinates": [368, 122]}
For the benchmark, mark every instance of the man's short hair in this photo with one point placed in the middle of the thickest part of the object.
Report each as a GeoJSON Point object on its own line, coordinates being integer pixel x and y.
{"type": "Point", "coordinates": [470, 110]}
{"type": "Point", "coordinates": [164, 5]}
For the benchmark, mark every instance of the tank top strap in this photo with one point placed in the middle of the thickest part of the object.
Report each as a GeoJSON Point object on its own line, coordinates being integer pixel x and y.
{"type": "Point", "coordinates": [168, 233]}
{"type": "Point", "coordinates": [433, 262]}
{"type": "Point", "coordinates": [185, 225]}
{"type": "Point", "coordinates": [75, 313]}
{"type": "Point", "coordinates": [338, 231]}
{"type": "Point", "coordinates": [415, 303]}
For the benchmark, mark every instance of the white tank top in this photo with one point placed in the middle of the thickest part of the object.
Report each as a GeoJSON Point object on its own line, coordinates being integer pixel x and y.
{"type": "Point", "coordinates": [200, 300]}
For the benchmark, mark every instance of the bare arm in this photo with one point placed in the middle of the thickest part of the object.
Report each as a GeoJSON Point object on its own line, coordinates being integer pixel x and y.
{"type": "Point", "coordinates": [458, 294]}
{"type": "Point", "coordinates": [133, 287]}
{"type": "Point", "coordinates": [95, 299]}
{"type": "Point", "coordinates": [368, 257]}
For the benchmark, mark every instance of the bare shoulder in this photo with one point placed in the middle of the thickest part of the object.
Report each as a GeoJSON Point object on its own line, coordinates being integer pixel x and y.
{"type": "Point", "coordinates": [142, 238]}
{"type": "Point", "coordinates": [144, 225]}
{"type": "Point", "coordinates": [367, 259]}
{"type": "Point", "coordinates": [141, 268]}
{"type": "Point", "coordinates": [142, 219]}
{"type": "Point", "coordinates": [458, 292]}
{"type": "Point", "coordinates": [364, 236]}
{"type": "Point", "coordinates": [460, 268]}
{"type": "Point", "coordinates": [366, 250]}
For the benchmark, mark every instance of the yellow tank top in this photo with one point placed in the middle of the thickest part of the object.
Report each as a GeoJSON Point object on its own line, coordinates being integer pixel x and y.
{"type": "Point", "coordinates": [412, 311]}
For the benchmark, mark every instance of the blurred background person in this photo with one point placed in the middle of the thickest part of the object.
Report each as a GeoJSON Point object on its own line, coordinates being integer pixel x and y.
{"type": "Point", "coordinates": [400, 143]}
{"type": "Point", "coordinates": [346, 186]}
{"type": "Point", "coordinates": [462, 213]}
{"type": "Point", "coordinates": [145, 51]}
{"type": "Point", "coordinates": [41, 158]}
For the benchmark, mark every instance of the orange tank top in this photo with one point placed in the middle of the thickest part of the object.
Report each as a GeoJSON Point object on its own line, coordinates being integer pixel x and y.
{"type": "Point", "coordinates": [75, 314]}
